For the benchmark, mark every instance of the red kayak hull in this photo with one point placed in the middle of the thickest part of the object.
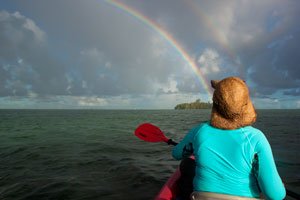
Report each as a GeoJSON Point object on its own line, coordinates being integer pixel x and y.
{"type": "Point", "coordinates": [170, 189]}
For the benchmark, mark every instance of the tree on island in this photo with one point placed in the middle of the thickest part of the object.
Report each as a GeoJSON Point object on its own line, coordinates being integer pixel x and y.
{"type": "Point", "coordinates": [194, 105]}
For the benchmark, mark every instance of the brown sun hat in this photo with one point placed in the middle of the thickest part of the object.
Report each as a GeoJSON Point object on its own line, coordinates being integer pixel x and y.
{"type": "Point", "coordinates": [232, 107]}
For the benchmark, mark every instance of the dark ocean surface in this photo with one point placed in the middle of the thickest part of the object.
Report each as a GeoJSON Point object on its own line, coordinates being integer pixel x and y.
{"type": "Point", "coordinates": [94, 154]}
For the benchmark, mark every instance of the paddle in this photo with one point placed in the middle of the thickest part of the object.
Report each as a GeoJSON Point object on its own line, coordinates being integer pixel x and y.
{"type": "Point", "coordinates": [151, 133]}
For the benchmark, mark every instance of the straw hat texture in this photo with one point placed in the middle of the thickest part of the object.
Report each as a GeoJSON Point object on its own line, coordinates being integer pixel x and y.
{"type": "Point", "coordinates": [232, 107]}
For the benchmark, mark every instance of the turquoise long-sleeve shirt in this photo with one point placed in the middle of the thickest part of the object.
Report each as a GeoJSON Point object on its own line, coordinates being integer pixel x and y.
{"type": "Point", "coordinates": [225, 161]}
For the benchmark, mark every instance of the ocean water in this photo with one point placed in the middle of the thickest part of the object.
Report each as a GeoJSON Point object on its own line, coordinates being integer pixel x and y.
{"type": "Point", "coordinates": [94, 154]}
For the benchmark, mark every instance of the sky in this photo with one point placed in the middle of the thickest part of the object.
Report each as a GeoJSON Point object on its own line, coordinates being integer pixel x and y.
{"type": "Point", "coordinates": [141, 54]}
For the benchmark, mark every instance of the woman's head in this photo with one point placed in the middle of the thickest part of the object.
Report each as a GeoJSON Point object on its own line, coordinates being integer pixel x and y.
{"type": "Point", "coordinates": [232, 107]}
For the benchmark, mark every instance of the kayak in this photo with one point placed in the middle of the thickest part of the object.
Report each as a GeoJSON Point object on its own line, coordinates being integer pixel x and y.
{"type": "Point", "coordinates": [170, 190]}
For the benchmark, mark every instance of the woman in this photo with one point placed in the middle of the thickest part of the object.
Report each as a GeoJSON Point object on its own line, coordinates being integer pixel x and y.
{"type": "Point", "coordinates": [232, 159]}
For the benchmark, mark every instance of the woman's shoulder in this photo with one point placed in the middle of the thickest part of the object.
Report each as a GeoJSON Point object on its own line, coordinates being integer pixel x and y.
{"type": "Point", "coordinates": [200, 126]}
{"type": "Point", "coordinates": [253, 131]}
{"type": "Point", "coordinates": [255, 134]}
{"type": "Point", "coordinates": [196, 129]}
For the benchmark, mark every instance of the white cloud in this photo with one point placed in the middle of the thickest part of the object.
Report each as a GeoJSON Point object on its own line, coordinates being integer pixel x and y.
{"type": "Point", "coordinates": [268, 103]}
{"type": "Point", "coordinates": [32, 95]}
{"type": "Point", "coordinates": [165, 100]}
{"type": "Point", "coordinates": [92, 56]}
{"type": "Point", "coordinates": [222, 19]}
{"type": "Point", "coordinates": [209, 62]}
{"type": "Point", "coordinates": [91, 101]}
{"type": "Point", "coordinates": [5, 66]}
{"type": "Point", "coordinates": [84, 84]}
{"type": "Point", "coordinates": [169, 87]}
{"type": "Point", "coordinates": [20, 61]}
{"type": "Point", "coordinates": [24, 48]}
{"type": "Point", "coordinates": [159, 47]}
{"type": "Point", "coordinates": [108, 65]}
{"type": "Point", "coordinates": [28, 24]}
{"type": "Point", "coordinates": [121, 101]}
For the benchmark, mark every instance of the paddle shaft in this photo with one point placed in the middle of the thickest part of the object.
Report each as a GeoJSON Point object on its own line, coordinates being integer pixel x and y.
{"type": "Point", "coordinates": [170, 141]}
{"type": "Point", "coordinates": [292, 194]}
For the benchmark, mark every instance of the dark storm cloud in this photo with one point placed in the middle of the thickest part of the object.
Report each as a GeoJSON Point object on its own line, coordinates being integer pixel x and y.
{"type": "Point", "coordinates": [278, 66]}
{"type": "Point", "coordinates": [271, 47]}
{"type": "Point", "coordinates": [264, 35]}
{"type": "Point", "coordinates": [26, 64]}
{"type": "Point", "coordinates": [294, 92]}
{"type": "Point", "coordinates": [96, 71]}
{"type": "Point", "coordinates": [136, 53]}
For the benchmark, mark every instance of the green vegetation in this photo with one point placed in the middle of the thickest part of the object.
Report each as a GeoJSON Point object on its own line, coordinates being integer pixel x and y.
{"type": "Point", "coordinates": [194, 105]}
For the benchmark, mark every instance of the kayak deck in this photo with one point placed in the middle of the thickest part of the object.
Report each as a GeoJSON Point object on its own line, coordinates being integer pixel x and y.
{"type": "Point", "coordinates": [170, 189]}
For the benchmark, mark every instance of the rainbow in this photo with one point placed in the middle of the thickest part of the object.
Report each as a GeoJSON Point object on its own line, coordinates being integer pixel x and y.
{"type": "Point", "coordinates": [218, 35]}
{"type": "Point", "coordinates": [169, 38]}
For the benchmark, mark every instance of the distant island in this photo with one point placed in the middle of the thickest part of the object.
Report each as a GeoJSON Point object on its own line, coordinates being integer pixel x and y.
{"type": "Point", "coordinates": [194, 105]}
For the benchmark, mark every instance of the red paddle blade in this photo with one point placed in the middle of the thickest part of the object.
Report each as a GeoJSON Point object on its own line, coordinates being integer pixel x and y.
{"type": "Point", "coordinates": [150, 133]}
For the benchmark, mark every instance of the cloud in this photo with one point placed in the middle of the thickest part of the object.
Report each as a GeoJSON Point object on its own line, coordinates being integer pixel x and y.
{"type": "Point", "coordinates": [267, 103]}
{"type": "Point", "coordinates": [92, 101]}
{"type": "Point", "coordinates": [26, 63]}
{"type": "Point", "coordinates": [97, 50]}
{"type": "Point", "coordinates": [293, 92]}
{"type": "Point", "coordinates": [241, 32]}
{"type": "Point", "coordinates": [209, 62]}
{"type": "Point", "coordinates": [33, 68]}
{"type": "Point", "coordinates": [32, 95]}
{"type": "Point", "coordinates": [269, 54]}
{"type": "Point", "coordinates": [239, 36]}
{"type": "Point", "coordinates": [167, 88]}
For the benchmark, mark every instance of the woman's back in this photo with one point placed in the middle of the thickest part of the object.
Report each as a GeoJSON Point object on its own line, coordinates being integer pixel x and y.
{"type": "Point", "coordinates": [224, 160]}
